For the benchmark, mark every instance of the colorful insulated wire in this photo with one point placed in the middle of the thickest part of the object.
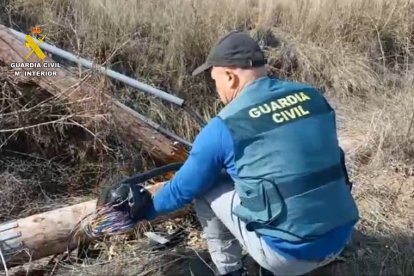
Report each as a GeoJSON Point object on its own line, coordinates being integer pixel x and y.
{"type": "Point", "coordinates": [106, 221]}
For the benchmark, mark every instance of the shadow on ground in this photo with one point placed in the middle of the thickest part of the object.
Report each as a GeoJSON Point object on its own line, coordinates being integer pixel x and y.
{"type": "Point", "coordinates": [380, 255]}
{"type": "Point", "coordinates": [366, 255]}
{"type": "Point", "coordinates": [374, 255]}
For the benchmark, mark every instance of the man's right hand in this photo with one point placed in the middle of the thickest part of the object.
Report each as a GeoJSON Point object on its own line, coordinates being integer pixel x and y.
{"type": "Point", "coordinates": [130, 198]}
{"type": "Point", "coordinates": [118, 195]}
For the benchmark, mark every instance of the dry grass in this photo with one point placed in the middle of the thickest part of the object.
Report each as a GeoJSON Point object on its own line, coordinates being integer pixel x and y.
{"type": "Point", "coordinates": [31, 184]}
{"type": "Point", "coordinates": [361, 52]}
{"type": "Point", "coordinates": [47, 159]}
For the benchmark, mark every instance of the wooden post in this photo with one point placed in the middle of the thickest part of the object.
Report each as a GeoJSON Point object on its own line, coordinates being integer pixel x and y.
{"type": "Point", "coordinates": [40, 235]}
{"type": "Point", "coordinates": [46, 234]}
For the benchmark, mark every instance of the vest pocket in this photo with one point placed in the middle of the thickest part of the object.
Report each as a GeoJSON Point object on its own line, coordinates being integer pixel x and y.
{"type": "Point", "coordinates": [260, 202]}
{"type": "Point", "coordinates": [252, 197]}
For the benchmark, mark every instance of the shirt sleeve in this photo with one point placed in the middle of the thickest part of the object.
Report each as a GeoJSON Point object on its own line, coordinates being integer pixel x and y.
{"type": "Point", "coordinates": [199, 172]}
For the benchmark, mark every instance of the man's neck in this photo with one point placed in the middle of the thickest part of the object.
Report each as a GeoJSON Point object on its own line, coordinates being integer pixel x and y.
{"type": "Point", "coordinates": [247, 82]}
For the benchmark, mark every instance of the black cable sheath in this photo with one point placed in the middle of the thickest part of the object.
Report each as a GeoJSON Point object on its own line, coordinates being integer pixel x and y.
{"type": "Point", "coordinates": [142, 177]}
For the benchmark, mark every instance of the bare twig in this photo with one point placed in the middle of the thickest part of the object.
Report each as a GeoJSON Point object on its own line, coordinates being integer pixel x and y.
{"type": "Point", "coordinates": [410, 125]}
{"type": "Point", "coordinates": [198, 255]}
{"type": "Point", "coordinates": [3, 260]}
{"type": "Point", "coordinates": [37, 125]}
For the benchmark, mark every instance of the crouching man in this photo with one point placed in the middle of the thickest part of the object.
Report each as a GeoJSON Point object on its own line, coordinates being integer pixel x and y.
{"type": "Point", "coordinates": [266, 173]}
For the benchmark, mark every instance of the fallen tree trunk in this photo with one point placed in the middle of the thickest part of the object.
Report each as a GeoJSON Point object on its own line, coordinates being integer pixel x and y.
{"type": "Point", "coordinates": [47, 234]}
{"type": "Point", "coordinates": [40, 235]}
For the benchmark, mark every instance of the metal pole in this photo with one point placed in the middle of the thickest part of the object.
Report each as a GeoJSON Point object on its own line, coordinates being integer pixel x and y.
{"type": "Point", "coordinates": [88, 64]}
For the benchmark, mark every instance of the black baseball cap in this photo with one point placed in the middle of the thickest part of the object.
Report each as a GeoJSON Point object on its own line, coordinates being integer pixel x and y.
{"type": "Point", "coordinates": [235, 49]}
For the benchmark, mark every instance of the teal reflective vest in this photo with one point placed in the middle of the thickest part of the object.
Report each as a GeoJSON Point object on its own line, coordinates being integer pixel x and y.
{"type": "Point", "coordinates": [290, 180]}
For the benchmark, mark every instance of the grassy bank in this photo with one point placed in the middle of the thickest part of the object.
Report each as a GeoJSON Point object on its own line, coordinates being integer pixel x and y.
{"type": "Point", "coordinates": [361, 52]}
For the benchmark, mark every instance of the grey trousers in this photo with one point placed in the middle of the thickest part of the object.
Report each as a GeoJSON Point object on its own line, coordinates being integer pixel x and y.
{"type": "Point", "coordinates": [226, 235]}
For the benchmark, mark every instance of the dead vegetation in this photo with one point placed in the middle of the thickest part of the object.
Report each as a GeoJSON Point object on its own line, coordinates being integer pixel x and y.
{"type": "Point", "coordinates": [361, 53]}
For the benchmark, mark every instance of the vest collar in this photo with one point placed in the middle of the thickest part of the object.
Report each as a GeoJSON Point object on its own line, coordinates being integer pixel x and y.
{"type": "Point", "coordinates": [260, 82]}
{"type": "Point", "coordinates": [249, 93]}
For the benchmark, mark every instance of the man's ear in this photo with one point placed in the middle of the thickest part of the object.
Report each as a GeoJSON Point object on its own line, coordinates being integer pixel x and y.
{"type": "Point", "coordinates": [228, 74]}
{"type": "Point", "coordinates": [232, 78]}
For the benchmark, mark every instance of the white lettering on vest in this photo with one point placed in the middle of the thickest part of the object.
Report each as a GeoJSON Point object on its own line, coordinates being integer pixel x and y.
{"type": "Point", "coordinates": [265, 108]}
{"type": "Point", "coordinates": [276, 118]}
{"type": "Point", "coordinates": [290, 101]}
{"type": "Point", "coordinates": [254, 113]}
{"type": "Point", "coordinates": [290, 114]}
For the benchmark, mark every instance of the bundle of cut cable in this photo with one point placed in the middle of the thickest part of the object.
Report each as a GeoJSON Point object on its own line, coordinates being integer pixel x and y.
{"type": "Point", "coordinates": [108, 221]}
{"type": "Point", "coordinates": [105, 221]}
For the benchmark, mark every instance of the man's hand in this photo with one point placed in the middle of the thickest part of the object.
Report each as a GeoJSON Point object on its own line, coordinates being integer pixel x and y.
{"type": "Point", "coordinates": [130, 198]}
{"type": "Point", "coordinates": [117, 195]}
{"type": "Point", "coordinates": [139, 198]}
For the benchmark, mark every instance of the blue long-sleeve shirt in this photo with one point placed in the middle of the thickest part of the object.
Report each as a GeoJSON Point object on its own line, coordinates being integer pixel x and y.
{"type": "Point", "coordinates": [211, 152]}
